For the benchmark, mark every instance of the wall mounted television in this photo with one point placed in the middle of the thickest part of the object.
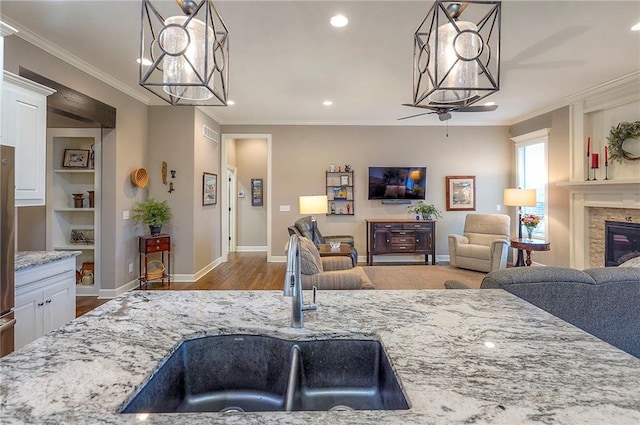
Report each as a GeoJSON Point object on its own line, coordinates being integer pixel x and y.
{"type": "Point", "coordinates": [397, 183]}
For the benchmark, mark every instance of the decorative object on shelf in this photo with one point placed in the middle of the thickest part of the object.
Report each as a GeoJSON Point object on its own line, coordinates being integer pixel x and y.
{"type": "Point", "coordinates": [155, 270]}
{"type": "Point", "coordinates": [344, 180]}
{"type": "Point", "coordinates": [75, 158]}
{"type": "Point", "coordinates": [82, 236]}
{"type": "Point", "coordinates": [461, 193]}
{"type": "Point", "coordinates": [340, 193]}
{"type": "Point", "coordinates": [348, 208]}
{"type": "Point", "coordinates": [209, 189]}
{"type": "Point", "coordinates": [152, 213]}
{"type": "Point", "coordinates": [620, 134]}
{"type": "Point", "coordinates": [530, 222]}
{"type": "Point", "coordinates": [184, 58]}
{"type": "Point", "coordinates": [424, 210]}
{"type": "Point", "coordinates": [606, 163]}
{"type": "Point", "coordinates": [173, 173]}
{"type": "Point", "coordinates": [456, 63]}
{"type": "Point", "coordinates": [332, 168]}
{"type": "Point", "coordinates": [347, 168]}
{"type": "Point", "coordinates": [139, 177]}
{"type": "Point", "coordinates": [333, 208]}
{"type": "Point", "coordinates": [256, 192]}
{"type": "Point", "coordinates": [87, 278]}
{"type": "Point", "coordinates": [595, 164]}
{"type": "Point", "coordinates": [588, 158]}
{"type": "Point", "coordinates": [92, 198]}
{"type": "Point", "coordinates": [92, 157]}
{"type": "Point", "coordinates": [78, 199]}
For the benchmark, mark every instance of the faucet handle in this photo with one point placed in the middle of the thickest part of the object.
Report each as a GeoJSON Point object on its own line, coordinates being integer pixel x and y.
{"type": "Point", "coordinates": [315, 291]}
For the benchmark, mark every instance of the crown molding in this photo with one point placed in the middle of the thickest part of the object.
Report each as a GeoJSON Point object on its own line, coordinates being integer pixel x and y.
{"type": "Point", "coordinates": [57, 51]}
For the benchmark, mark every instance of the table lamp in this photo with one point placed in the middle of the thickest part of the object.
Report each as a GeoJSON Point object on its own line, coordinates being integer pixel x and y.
{"type": "Point", "coordinates": [313, 204]}
{"type": "Point", "coordinates": [520, 198]}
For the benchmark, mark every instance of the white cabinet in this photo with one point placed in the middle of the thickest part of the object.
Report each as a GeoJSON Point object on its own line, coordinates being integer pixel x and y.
{"type": "Point", "coordinates": [71, 226]}
{"type": "Point", "coordinates": [24, 125]}
{"type": "Point", "coordinates": [45, 299]}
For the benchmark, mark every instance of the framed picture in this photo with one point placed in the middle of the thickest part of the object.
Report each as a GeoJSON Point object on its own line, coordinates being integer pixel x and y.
{"type": "Point", "coordinates": [256, 192]}
{"type": "Point", "coordinates": [344, 180]}
{"type": "Point", "coordinates": [209, 189]}
{"type": "Point", "coordinates": [461, 193]}
{"type": "Point", "coordinates": [340, 193]}
{"type": "Point", "coordinates": [76, 158]}
{"type": "Point", "coordinates": [82, 237]}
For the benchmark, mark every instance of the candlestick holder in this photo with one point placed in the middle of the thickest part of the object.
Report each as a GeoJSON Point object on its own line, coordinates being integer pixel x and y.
{"type": "Point", "coordinates": [594, 173]}
{"type": "Point", "coordinates": [588, 164]}
{"type": "Point", "coordinates": [606, 170]}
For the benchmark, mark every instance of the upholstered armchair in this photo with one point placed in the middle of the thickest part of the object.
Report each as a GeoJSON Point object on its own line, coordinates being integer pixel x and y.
{"type": "Point", "coordinates": [329, 272]}
{"type": "Point", "coordinates": [484, 244]}
{"type": "Point", "coordinates": [304, 227]}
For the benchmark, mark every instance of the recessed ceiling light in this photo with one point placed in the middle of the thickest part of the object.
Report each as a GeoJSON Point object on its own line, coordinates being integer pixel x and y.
{"type": "Point", "coordinates": [636, 27]}
{"type": "Point", "coordinates": [145, 61]}
{"type": "Point", "coordinates": [339, 21]}
{"type": "Point", "coordinates": [230, 103]}
{"type": "Point", "coordinates": [327, 103]}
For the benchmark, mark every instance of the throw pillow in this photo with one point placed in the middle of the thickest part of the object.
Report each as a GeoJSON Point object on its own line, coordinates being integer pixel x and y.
{"type": "Point", "coordinates": [310, 262]}
{"type": "Point", "coordinates": [634, 262]}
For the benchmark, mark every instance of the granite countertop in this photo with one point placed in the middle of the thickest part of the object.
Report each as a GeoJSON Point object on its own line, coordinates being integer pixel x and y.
{"type": "Point", "coordinates": [540, 369]}
{"type": "Point", "coordinates": [27, 259]}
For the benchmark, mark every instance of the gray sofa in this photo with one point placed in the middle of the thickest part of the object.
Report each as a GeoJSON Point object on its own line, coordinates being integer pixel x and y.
{"type": "Point", "coordinates": [603, 301]}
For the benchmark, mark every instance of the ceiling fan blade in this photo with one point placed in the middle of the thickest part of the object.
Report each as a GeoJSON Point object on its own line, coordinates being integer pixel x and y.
{"type": "Point", "coordinates": [416, 115]}
{"type": "Point", "coordinates": [479, 108]}
{"type": "Point", "coordinates": [431, 108]}
{"type": "Point", "coordinates": [444, 116]}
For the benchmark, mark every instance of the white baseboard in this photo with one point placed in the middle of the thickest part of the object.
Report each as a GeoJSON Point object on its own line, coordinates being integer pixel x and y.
{"type": "Point", "coordinates": [112, 293]}
{"type": "Point", "coordinates": [251, 249]}
{"type": "Point", "coordinates": [194, 277]}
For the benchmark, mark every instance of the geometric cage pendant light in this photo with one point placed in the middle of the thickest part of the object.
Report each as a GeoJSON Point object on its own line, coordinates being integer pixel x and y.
{"type": "Point", "coordinates": [456, 62]}
{"type": "Point", "coordinates": [184, 58]}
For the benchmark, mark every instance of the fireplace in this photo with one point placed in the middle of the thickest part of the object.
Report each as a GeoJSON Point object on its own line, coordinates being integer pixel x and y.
{"type": "Point", "coordinates": [622, 242]}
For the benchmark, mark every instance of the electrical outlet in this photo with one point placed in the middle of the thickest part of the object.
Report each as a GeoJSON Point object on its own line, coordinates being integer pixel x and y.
{"type": "Point", "coordinates": [498, 207]}
{"type": "Point", "coordinates": [130, 267]}
{"type": "Point", "coordinates": [125, 215]}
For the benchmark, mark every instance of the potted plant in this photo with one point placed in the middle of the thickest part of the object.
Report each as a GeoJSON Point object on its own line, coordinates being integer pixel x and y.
{"type": "Point", "coordinates": [152, 213]}
{"type": "Point", "coordinates": [424, 210]}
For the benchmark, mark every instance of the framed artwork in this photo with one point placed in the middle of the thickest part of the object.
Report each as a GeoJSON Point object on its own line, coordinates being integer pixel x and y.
{"type": "Point", "coordinates": [82, 237]}
{"type": "Point", "coordinates": [209, 189]}
{"type": "Point", "coordinates": [256, 192]}
{"type": "Point", "coordinates": [461, 193]}
{"type": "Point", "coordinates": [76, 158]}
{"type": "Point", "coordinates": [340, 193]}
{"type": "Point", "coordinates": [344, 180]}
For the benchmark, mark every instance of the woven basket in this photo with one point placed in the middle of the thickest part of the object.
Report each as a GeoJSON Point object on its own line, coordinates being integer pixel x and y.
{"type": "Point", "coordinates": [155, 270]}
{"type": "Point", "coordinates": [139, 177]}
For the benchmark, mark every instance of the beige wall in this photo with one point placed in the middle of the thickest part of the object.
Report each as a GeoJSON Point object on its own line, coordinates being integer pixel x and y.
{"type": "Point", "coordinates": [301, 155]}
{"type": "Point", "coordinates": [123, 150]}
{"type": "Point", "coordinates": [251, 163]}
{"type": "Point", "coordinates": [557, 197]}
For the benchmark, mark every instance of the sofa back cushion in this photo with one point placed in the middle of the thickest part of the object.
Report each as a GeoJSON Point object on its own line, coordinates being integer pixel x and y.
{"type": "Point", "coordinates": [310, 262]}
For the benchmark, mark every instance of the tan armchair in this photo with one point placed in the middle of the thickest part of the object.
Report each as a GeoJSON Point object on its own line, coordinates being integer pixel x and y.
{"type": "Point", "coordinates": [329, 272]}
{"type": "Point", "coordinates": [484, 244]}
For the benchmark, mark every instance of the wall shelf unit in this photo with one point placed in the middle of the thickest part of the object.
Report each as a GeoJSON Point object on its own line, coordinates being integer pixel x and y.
{"type": "Point", "coordinates": [63, 215]}
{"type": "Point", "coordinates": [340, 192]}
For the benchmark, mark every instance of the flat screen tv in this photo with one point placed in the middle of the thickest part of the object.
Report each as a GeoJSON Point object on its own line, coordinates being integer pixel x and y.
{"type": "Point", "coordinates": [397, 182]}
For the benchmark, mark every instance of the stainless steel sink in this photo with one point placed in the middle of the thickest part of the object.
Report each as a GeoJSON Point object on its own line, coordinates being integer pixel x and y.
{"type": "Point", "coordinates": [257, 373]}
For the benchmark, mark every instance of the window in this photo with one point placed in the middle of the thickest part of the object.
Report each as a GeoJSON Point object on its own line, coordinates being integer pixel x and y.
{"type": "Point", "coordinates": [531, 168]}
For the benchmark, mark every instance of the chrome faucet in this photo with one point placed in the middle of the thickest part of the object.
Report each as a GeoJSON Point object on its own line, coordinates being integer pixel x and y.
{"type": "Point", "coordinates": [293, 284]}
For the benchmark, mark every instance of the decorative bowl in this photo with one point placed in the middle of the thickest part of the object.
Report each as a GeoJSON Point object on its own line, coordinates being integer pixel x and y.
{"type": "Point", "coordinates": [334, 244]}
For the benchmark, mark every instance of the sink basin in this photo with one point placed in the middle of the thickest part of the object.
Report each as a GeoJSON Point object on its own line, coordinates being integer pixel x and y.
{"type": "Point", "coordinates": [236, 373]}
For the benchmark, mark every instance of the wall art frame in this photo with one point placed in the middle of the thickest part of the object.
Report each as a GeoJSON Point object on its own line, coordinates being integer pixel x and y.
{"type": "Point", "coordinates": [256, 192]}
{"type": "Point", "coordinates": [209, 188]}
{"type": "Point", "coordinates": [461, 193]}
{"type": "Point", "coordinates": [75, 158]}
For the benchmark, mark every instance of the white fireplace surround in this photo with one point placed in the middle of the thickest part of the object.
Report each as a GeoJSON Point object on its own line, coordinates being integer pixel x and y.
{"type": "Point", "coordinates": [593, 113]}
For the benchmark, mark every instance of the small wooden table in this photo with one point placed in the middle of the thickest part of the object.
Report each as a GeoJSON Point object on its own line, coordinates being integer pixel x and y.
{"type": "Point", "coordinates": [344, 250]}
{"type": "Point", "coordinates": [528, 245]}
{"type": "Point", "coordinates": [157, 245]}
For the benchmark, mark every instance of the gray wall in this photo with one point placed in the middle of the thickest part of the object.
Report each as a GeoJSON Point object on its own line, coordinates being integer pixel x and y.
{"type": "Point", "coordinates": [251, 162]}
{"type": "Point", "coordinates": [301, 155]}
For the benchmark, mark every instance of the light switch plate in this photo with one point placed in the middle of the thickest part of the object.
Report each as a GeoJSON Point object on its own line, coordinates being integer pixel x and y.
{"type": "Point", "coordinates": [285, 207]}
{"type": "Point", "coordinates": [125, 215]}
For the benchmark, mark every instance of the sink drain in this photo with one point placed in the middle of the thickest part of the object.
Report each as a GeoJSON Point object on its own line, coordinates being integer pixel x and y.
{"type": "Point", "coordinates": [341, 408]}
{"type": "Point", "coordinates": [232, 409]}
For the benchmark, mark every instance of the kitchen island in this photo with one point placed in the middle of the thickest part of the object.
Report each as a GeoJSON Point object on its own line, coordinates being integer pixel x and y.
{"type": "Point", "coordinates": [475, 356]}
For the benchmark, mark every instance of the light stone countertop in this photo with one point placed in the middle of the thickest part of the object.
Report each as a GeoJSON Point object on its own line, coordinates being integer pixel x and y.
{"type": "Point", "coordinates": [28, 259]}
{"type": "Point", "coordinates": [541, 370]}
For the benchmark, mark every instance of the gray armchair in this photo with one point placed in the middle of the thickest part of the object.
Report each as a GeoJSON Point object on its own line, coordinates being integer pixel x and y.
{"type": "Point", "coordinates": [304, 227]}
{"type": "Point", "coordinates": [484, 244]}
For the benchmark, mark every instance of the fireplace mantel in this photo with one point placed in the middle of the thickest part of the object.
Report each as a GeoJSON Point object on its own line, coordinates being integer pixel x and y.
{"type": "Point", "coordinates": [605, 193]}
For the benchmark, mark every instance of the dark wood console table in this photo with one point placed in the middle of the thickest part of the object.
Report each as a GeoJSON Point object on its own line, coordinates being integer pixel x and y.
{"type": "Point", "coordinates": [528, 245]}
{"type": "Point", "coordinates": [401, 236]}
{"type": "Point", "coordinates": [149, 245]}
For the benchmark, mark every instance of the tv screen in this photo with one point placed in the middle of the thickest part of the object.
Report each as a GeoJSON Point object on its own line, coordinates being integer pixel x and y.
{"type": "Point", "coordinates": [397, 182]}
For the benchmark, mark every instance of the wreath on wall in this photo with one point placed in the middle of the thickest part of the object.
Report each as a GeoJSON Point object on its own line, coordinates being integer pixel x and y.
{"type": "Point", "coordinates": [618, 135]}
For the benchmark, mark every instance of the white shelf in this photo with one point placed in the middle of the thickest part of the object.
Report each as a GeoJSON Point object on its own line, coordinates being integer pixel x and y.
{"type": "Point", "coordinates": [75, 171]}
{"type": "Point", "coordinates": [74, 209]}
{"type": "Point", "coordinates": [74, 247]}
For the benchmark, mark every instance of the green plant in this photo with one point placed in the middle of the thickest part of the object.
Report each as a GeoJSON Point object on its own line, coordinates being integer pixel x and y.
{"type": "Point", "coordinates": [152, 212]}
{"type": "Point", "coordinates": [424, 209]}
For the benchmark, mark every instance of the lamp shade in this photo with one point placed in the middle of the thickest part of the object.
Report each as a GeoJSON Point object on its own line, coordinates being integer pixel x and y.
{"type": "Point", "coordinates": [313, 204]}
{"type": "Point", "coordinates": [520, 197]}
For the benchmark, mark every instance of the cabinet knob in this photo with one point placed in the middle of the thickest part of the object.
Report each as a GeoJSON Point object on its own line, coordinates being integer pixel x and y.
{"type": "Point", "coordinates": [48, 301]}
{"type": "Point", "coordinates": [40, 304]}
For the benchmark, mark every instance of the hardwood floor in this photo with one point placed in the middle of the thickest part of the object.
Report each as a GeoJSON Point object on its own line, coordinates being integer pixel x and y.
{"type": "Point", "coordinates": [242, 271]}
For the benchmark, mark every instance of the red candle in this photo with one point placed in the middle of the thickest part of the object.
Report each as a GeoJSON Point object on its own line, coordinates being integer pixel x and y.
{"type": "Point", "coordinates": [594, 160]}
{"type": "Point", "coordinates": [588, 145]}
{"type": "Point", "coordinates": [606, 155]}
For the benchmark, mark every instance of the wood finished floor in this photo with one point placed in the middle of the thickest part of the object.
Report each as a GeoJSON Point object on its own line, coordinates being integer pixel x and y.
{"type": "Point", "coordinates": [242, 271]}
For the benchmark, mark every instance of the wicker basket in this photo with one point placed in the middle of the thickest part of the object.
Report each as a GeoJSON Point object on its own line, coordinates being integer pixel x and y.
{"type": "Point", "coordinates": [155, 270]}
{"type": "Point", "coordinates": [139, 177]}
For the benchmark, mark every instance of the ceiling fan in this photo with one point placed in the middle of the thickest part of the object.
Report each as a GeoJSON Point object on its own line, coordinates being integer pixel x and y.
{"type": "Point", "coordinates": [444, 111]}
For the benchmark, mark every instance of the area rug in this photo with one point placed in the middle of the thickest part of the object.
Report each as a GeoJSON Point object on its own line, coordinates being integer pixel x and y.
{"type": "Point", "coordinates": [420, 277]}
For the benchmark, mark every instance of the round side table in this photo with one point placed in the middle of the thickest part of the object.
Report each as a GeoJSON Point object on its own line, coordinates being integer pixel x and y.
{"type": "Point", "coordinates": [528, 245]}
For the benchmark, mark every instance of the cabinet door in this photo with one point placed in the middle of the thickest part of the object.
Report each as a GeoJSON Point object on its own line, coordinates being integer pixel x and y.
{"type": "Point", "coordinates": [381, 241]}
{"type": "Point", "coordinates": [424, 240]}
{"type": "Point", "coordinates": [59, 303]}
{"type": "Point", "coordinates": [29, 314]}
